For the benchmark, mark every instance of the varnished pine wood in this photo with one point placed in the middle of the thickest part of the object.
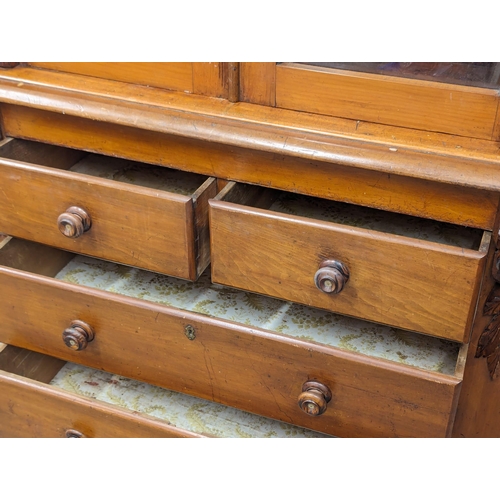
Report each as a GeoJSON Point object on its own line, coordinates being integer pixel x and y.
{"type": "Point", "coordinates": [32, 257]}
{"type": "Point", "coordinates": [237, 365]}
{"type": "Point", "coordinates": [233, 78]}
{"type": "Point", "coordinates": [496, 129]}
{"type": "Point", "coordinates": [404, 102]}
{"type": "Point", "coordinates": [209, 79]}
{"type": "Point", "coordinates": [258, 83]}
{"type": "Point", "coordinates": [174, 76]}
{"type": "Point", "coordinates": [51, 82]}
{"type": "Point", "coordinates": [422, 197]}
{"type": "Point", "coordinates": [29, 364]}
{"type": "Point", "coordinates": [201, 228]}
{"type": "Point", "coordinates": [292, 140]}
{"type": "Point", "coordinates": [255, 196]}
{"type": "Point", "coordinates": [465, 165]}
{"type": "Point", "coordinates": [40, 153]}
{"type": "Point", "coordinates": [33, 409]}
{"type": "Point", "coordinates": [404, 282]}
{"type": "Point", "coordinates": [123, 216]}
{"type": "Point", "coordinates": [478, 413]}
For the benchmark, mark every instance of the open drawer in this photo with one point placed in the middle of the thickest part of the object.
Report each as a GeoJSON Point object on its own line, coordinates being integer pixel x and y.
{"type": "Point", "coordinates": [303, 366]}
{"type": "Point", "coordinates": [399, 270]}
{"type": "Point", "coordinates": [42, 396]}
{"type": "Point", "coordinates": [146, 216]}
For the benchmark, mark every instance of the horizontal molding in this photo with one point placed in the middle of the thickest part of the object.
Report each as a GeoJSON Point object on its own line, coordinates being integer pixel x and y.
{"type": "Point", "coordinates": [245, 132]}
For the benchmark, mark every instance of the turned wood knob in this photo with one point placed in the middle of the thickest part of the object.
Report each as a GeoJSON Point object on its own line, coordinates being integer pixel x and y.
{"type": "Point", "coordinates": [72, 433]}
{"type": "Point", "coordinates": [314, 398]}
{"type": "Point", "coordinates": [74, 222]}
{"type": "Point", "coordinates": [78, 335]}
{"type": "Point", "coordinates": [332, 276]}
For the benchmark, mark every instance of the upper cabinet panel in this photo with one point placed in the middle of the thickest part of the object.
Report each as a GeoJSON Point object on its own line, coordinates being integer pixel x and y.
{"type": "Point", "coordinates": [209, 79]}
{"type": "Point", "coordinates": [474, 74]}
{"type": "Point", "coordinates": [454, 98]}
{"type": "Point", "coordinates": [173, 76]}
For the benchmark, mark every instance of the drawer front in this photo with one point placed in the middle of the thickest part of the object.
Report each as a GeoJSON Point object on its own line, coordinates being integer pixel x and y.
{"type": "Point", "coordinates": [244, 367]}
{"type": "Point", "coordinates": [119, 407]}
{"type": "Point", "coordinates": [395, 280]}
{"type": "Point", "coordinates": [33, 409]}
{"type": "Point", "coordinates": [147, 228]}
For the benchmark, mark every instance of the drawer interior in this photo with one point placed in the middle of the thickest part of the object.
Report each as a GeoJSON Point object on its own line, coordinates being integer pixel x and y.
{"type": "Point", "coordinates": [179, 410]}
{"type": "Point", "coordinates": [203, 297]}
{"type": "Point", "coordinates": [105, 167]}
{"type": "Point", "coordinates": [352, 215]}
{"type": "Point", "coordinates": [124, 204]}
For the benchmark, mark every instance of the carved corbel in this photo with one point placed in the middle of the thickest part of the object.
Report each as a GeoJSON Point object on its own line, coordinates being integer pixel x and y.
{"type": "Point", "coordinates": [489, 342]}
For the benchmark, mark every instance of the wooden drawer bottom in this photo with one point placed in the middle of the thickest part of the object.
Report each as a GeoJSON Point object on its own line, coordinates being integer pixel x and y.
{"type": "Point", "coordinates": [41, 396]}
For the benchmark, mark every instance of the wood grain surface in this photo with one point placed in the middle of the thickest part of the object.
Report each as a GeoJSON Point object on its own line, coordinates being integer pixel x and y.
{"type": "Point", "coordinates": [258, 83]}
{"type": "Point", "coordinates": [478, 413]}
{"type": "Point", "coordinates": [404, 282]}
{"type": "Point", "coordinates": [16, 83]}
{"type": "Point", "coordinates": [174, 76]}
{"type": "Point", "coordinates": [48, 412]}
{"type": "Point", "coordinates": [446, 201]}
{"type": "Point", "coordinates": [405, 102]}
{"type": "Point", "coordinates": [124, 218]}
{"type": "Point", "coordinates": [240, 366]}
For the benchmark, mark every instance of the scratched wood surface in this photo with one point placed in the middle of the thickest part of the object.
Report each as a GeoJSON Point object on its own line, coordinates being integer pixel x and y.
{"type": "Point", "coordinates": [405, 282]}
{"type": "Point", "coordinates": [43, 83]}
{"type": "Point", "coordinates": [44, 411]}
{"type": "Point", "coordinates": [241, 366]}
{"type": "Point", "coordinates": [124, 215]}
{"type": "Point", "coordinates": [416, 104]}
{"type": "Point", "coordinates": [438, 175]}
{"type": "Point", "coordinates": [100, 404]}
{"type": "Point", "coordinates": [478, 413]}
{"type": "Point", "coordinates": [174, 76]}
{"type": "Point", "coordinates": [472, 206]}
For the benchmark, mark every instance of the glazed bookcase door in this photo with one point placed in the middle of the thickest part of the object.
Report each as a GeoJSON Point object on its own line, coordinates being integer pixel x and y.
{"type": "Point", "coordinates": [411, 99]}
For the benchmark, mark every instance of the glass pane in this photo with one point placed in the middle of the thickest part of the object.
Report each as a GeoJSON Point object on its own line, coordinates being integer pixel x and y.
{"type": "Point", "coordinates": [477, 74]}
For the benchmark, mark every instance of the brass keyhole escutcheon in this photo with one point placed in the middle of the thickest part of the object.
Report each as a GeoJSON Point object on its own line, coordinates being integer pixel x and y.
{"type": "Point", "coordinates": [190, 332]}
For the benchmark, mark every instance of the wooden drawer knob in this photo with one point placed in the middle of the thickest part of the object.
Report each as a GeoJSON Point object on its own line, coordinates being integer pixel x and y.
{"type": "Point", "coordinates": [314, 398]}
{"type": "Point", "coordinates": [71, 433]}
{"type": "Point", "coordinates": [332, 276]}
{"type": "Point", "coordinates": [74, 222]}
{"type": "Point", "coordinates": [78, 335]}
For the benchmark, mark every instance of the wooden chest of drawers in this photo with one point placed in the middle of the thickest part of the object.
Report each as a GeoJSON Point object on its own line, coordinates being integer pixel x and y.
{"type": "Point", "coordinates": [192, 246]}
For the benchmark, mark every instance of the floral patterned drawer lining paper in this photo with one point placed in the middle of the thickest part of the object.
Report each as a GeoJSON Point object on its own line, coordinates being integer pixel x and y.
{"type": "Point", "coordinates": [182, 411]}
{"type": "Point", "coordinates": [270, 314]}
